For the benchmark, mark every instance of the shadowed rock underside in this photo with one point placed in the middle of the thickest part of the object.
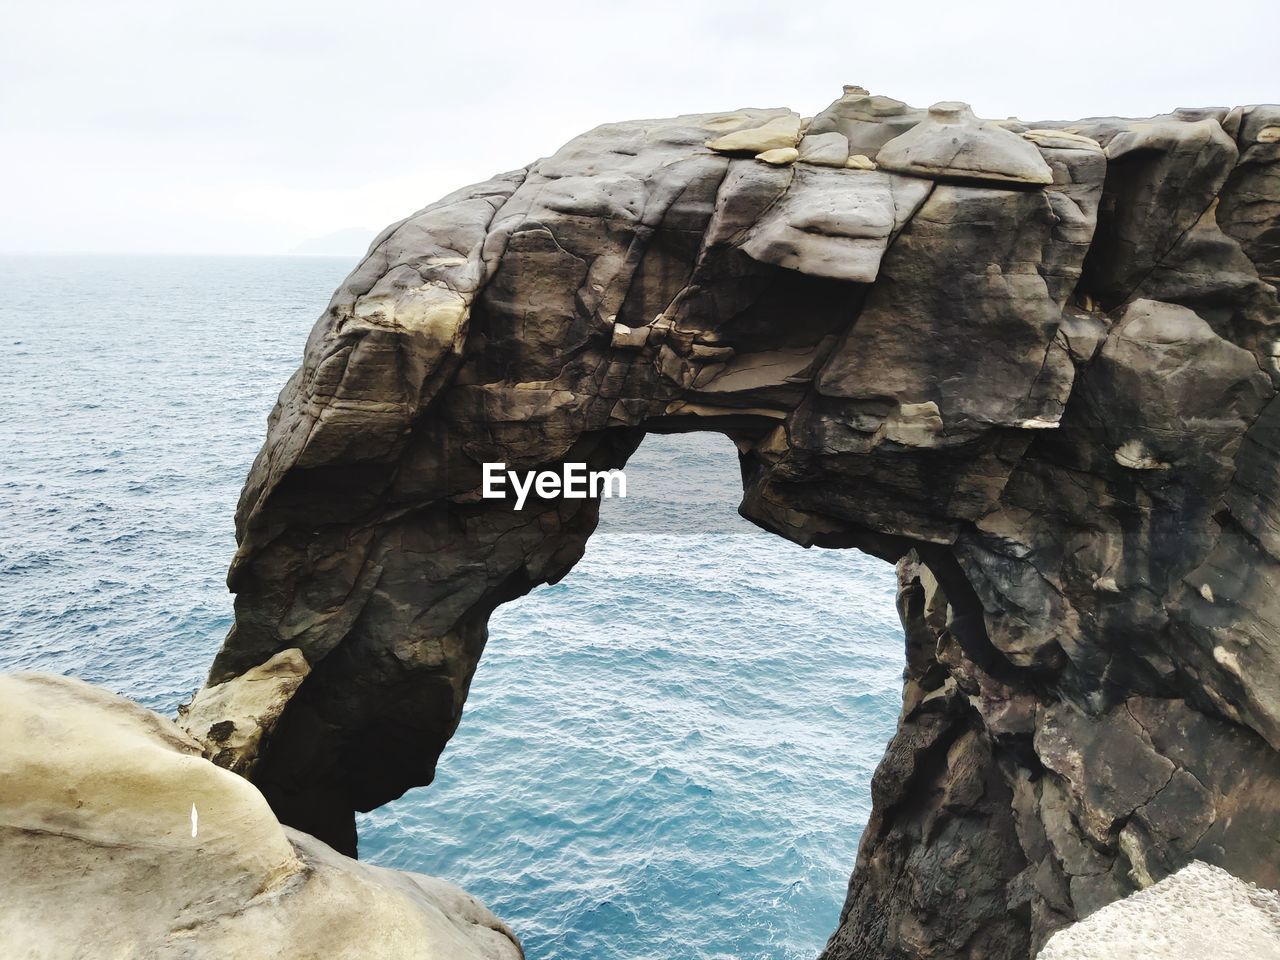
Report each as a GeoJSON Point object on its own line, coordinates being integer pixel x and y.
{"type": "Point", "coordinates": [1034, 364]}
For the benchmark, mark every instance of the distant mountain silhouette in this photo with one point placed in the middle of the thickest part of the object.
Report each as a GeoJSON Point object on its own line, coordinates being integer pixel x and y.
{"type": "Point", "coordinates": [350, 242]}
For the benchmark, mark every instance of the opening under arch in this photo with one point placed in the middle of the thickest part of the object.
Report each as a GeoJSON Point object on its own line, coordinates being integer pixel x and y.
{"type": "Point", "coordinates": [669, 752]}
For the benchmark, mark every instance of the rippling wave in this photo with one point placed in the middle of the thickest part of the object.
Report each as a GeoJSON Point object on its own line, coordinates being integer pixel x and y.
{"type": "Point", "coordinates": [666, 755]}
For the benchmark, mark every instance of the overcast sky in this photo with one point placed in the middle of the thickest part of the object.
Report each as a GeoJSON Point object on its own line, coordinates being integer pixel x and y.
{"type": "Point", "coordinates": [249, 127]}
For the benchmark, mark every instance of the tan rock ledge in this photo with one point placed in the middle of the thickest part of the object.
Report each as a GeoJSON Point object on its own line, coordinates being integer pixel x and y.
{"type": "Point", "coordinates": [121, 840]}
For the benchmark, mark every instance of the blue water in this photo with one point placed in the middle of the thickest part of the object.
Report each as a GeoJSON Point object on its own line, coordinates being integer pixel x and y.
{"type": "Point", "coordinates": [666, 755]}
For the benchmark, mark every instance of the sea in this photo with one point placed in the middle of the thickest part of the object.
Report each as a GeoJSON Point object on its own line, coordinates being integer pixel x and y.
{"type": "Point", "coordinates": [666, 755]}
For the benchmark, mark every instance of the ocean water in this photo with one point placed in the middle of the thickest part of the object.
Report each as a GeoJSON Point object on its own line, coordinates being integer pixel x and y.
{"type": "Point", "coordinates": [666, 755]}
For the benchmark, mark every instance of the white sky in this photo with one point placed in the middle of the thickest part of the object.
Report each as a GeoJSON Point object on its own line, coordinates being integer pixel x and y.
{"type": "Point", "coordinates": [248, 127]}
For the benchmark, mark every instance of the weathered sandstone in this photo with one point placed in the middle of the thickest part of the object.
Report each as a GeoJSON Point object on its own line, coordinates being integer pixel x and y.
{"type": "Point", "coordinates": [1034, 364]}
{"type": "Point", "coordinates": [119, 839]}
{"type": "Point", "coordinates": [1199, 913]}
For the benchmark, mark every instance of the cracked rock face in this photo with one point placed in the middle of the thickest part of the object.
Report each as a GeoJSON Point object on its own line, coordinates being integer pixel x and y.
{"type": "Point", "coordinates": [1034, 364]}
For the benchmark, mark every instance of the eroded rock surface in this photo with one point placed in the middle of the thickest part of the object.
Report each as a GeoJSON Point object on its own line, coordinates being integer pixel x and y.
{"type": "Point", "coordinates": [1033, 363]}
{"type": "Point", "coordinates": [118, 839]}
{"type": "Point", "coordinates": [232, 718]}
{"type": "Point", "coordinates": [1199, 913]}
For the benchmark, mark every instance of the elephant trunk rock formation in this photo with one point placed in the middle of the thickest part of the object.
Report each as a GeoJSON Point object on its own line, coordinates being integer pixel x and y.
{"type": "Point", "coordinates": [1034, 364]}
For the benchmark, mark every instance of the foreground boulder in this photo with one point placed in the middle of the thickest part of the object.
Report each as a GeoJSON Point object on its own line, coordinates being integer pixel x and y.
{"type": "Point", "coordinates": [1034, 364]}
{"type": "Point", "coordinates": [118, 839]}
{"type": "Point", "coordinates": [1199, 913]}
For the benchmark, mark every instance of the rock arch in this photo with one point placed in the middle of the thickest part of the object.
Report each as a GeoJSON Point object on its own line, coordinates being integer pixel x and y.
{"type": "Point", "coordinates": [1033, 364]}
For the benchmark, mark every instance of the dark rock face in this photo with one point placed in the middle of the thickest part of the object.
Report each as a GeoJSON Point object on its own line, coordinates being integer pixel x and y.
{"type": "Point", "coordinates": [1035, 365]}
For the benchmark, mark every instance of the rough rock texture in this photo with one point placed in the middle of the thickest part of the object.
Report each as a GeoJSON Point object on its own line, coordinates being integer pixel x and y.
{"type": "Point", "coordinates": [232, 718]}
{"type": "Point", "coordinates": [951, 143]}
{"type": "Point", "coordinates": [1199, 913]}
{"type": "Point", "coordinates": [118, 839]}
{"type": "Point", "coordinates": [1034, 363]}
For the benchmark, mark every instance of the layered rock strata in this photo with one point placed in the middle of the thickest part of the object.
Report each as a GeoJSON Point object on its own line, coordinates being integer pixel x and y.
{"type": "Point", "coordinates": [118, 839]}
{"type": "Point", "coordinates": [1034, 364]}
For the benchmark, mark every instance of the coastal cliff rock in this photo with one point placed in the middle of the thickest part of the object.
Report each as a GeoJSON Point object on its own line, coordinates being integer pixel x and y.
{"type": "Point", "coordinates": [1199, 913]}
{"type": "Point", "coordinates": [1034, 364]}
{"type": "Point", "coordinates": [231, 719]}
{"type": "Point", "coordinates": [118, 839]}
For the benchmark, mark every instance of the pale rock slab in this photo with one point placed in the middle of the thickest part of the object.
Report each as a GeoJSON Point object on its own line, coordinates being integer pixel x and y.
{"type": "Point", "coordinates": [778, 133]}
{"type": "Point", "coordinates": [118, 839]}
{"type": "Point", "coordinates": [779, 156]}
{"type": "Point", "coordinates": [231, 718]}
{"type": "Point", "coordinates": [825, 149]}
{"type": "Point", "coordinates": [952, 143]}
{"type": "Point", "coordinates": [1199, 913]}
